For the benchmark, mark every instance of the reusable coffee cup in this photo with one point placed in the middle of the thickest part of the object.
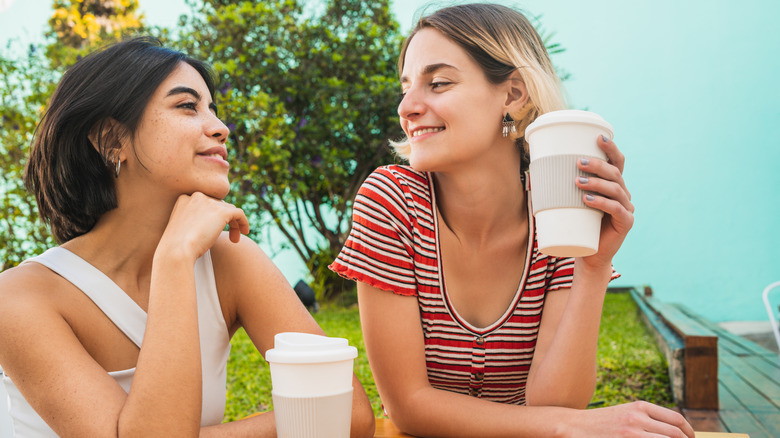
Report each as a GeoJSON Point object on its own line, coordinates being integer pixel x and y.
{"type": "Point", "coordinates": [312, 385]}
{"type": "Point", "coordinates": [565, 226]}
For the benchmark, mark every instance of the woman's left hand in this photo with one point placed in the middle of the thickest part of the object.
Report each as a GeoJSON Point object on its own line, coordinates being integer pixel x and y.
{"type": "Point", "coordinates": [609, 195]}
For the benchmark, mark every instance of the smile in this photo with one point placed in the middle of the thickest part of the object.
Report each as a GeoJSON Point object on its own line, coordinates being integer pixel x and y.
{"type": "Point", "coordinates": [423, 131]}
{"type": "Point", "coordinates": [215, 152]}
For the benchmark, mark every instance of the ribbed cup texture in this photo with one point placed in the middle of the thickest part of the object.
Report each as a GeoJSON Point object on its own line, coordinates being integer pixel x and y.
{"type": "Point", "coordinates": [313, 417]}
{"type": "Point", "coordinates": [552, 182]}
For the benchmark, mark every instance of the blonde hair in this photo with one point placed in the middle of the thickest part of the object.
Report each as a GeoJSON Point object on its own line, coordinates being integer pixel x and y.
{"type": "Point", "coordinates": [501, 40]}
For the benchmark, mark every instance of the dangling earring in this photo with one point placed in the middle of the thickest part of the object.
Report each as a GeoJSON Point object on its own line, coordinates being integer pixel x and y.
{"type": "Point", "coordinates": [508, 126]}
{"type": "Point", "coordinates": [117, 166]}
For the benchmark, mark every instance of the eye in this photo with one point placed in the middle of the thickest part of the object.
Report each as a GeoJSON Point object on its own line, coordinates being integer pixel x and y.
{"type": "Point", "coordinates": [401, 95]}
{"type": "Point", "coordinates": [188, 105]}
{"type": "Point", "coordinates": [437, 84]}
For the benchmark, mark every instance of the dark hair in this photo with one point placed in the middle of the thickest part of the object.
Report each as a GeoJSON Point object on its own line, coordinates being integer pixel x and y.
{"type": "Point", "coordinates": [73, 182]}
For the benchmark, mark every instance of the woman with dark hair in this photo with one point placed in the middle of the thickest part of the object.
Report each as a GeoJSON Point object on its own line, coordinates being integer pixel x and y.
{"type": "Point", "coordinates": [124, 329]}
{"type": "Point", "coordinates": [494, 337]}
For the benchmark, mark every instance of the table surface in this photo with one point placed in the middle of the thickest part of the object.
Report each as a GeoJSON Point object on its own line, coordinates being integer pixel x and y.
{"type": "Point", "coordinates": [386, 429]}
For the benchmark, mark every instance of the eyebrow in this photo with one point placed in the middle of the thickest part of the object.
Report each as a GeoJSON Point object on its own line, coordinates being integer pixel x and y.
{"type": "Point", "coordinates": [429, 69]}
{"type": "Point", "coordinates": [187, 90]}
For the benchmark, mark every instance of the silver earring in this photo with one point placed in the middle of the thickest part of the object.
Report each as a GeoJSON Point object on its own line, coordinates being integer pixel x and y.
{"type": "Point", "coordinates": [508, 125]}
{"type": "Point", "coordinates": [117, 166]}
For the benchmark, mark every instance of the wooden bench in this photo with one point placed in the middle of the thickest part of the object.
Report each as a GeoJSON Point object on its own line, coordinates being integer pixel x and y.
{"type": "Point", "coordinates": [721, 381]}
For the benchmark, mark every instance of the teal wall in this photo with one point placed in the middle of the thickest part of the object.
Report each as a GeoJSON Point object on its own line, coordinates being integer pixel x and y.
{"type": "Point", "coordinates": [691, 88]}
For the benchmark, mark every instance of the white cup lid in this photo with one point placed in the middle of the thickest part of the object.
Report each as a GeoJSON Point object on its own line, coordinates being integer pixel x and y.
{"type": "Point", "coordinates": [568, 116]}
{"type": "Point", "coordinates": [291, 347]}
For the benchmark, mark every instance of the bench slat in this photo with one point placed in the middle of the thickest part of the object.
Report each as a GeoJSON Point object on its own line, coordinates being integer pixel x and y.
{"type": "Point", "coordinates": [748, 375]}
{"type": "Point", "coordinates": [738, 419]}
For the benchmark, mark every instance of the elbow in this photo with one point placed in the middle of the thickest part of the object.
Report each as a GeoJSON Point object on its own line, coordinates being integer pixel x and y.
{"type": "Point", "coordinates": [407, 417]}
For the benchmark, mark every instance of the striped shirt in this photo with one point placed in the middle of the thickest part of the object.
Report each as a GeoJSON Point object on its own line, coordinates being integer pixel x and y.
{"type": "Point", "coordinates": [393, 245]}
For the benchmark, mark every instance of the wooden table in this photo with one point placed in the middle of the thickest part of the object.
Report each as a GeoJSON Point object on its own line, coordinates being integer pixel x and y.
{"type": "Point", "coordinates": [386, 429]}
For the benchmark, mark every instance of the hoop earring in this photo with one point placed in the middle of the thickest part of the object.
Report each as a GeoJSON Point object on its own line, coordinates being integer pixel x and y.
{"type": "Point", "coordinates": [508, 126]}
{"type": "Point", "coordinates": [117, 167]}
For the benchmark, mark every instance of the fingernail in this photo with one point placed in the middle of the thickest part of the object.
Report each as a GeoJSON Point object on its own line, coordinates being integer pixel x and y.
{"type": "Point", "coordinates": [584, 161]}
{"type": "Point", "coordinates": [604, 137]}
{"type": "Point", "coordinates": [582, 180]}
{"type": "Point", "coordinates": [590, 197]}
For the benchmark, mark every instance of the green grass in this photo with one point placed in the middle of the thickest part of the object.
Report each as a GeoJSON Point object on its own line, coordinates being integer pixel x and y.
{"type": "Point", "coordinates": [249, 378]}
{"type": "Point", "coordinates": [630, 365]}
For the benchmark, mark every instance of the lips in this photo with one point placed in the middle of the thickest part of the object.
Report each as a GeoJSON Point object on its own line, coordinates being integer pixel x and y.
{"type": "Point", "coordinates": [215, 152]}
{"type": "Point", "coordinates": [416, 132]}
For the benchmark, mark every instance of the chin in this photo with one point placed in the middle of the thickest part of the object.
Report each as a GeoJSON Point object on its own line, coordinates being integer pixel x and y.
{"type": "Point", "coordinates": [422, 163]}
{"type": "Point", "coordinates": [220, 194]}
{"type": "Point", "coordinates": [217, 190]}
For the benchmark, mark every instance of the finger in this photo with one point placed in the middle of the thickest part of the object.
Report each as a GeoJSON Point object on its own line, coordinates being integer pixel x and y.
{"type": "Point", "coordinates": [234, 232]}
{"type": "Point", "coordinates": [673, 418]}
{"type": "Point", "coordinates": [614, 156]}
{"type": "Point", "coordinates": [242, 223]}
{"type": "Point", "coordinates": [603, 170]}
{"type": "Point", "coordinates": [609, 189]}
{"type": "Point", "coordinates": [661, 429]}
{"type": "Point", "coordinates": [622, 219]}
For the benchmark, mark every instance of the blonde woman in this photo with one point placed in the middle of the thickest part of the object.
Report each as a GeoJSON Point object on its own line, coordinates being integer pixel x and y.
{"type": "Point", "coordinates": [470, 331]}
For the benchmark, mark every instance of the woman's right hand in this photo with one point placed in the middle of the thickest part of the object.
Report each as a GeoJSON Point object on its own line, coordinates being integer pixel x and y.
{"type": "Point", "coordinates": [196, 222]}
{"type": "Point", "coordinates": [636, 419]}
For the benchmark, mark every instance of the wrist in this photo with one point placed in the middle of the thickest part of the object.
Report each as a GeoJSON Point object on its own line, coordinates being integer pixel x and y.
{"type": "Point", "coordinates": [593, 268]}
{"type": "Point", "coordinates": [172, 255]}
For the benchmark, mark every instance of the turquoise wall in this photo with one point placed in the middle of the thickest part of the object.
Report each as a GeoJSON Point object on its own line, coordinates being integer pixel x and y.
{"type": "Point", "coordinates": [691, 88]}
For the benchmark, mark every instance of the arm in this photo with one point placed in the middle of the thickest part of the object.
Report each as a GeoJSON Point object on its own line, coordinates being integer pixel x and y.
{"type": "Point", "coordinates": [563, 371]}
{"type": "Point", "coordinates": [68, 388]}
{"type": "Point", "coordinates": [262, 301]}
{"type": "Point", "coordinates": [395, 347]}
{"type": "Point", "coordinates": [396, 352]}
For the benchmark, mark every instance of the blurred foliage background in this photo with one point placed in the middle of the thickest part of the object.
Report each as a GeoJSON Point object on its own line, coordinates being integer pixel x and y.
{"type": "Point", "coordinates": [310, 100]}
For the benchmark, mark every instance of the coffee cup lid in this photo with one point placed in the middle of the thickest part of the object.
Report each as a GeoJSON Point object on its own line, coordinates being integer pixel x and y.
{"type": "Point", "coordinates": [568, 116]}
{"type": "Point", "coordinates": [291, 347]}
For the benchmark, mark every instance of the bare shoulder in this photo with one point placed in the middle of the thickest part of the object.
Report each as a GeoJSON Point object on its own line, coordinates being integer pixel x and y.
{"type": "Point", "coordinates": [242, 261]}
{"type": "Point", "coordinates": [243, 273]}
{"type": "Point", "coordinates": [237, 254]}
{"type": "Point", "coordinates": [29, 287]}
{"type": "Point", "coordinates": [30, 297]}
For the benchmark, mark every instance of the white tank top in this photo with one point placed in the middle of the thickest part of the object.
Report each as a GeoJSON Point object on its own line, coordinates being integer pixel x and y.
{"type": "Point", "coordinates": [131, 319]}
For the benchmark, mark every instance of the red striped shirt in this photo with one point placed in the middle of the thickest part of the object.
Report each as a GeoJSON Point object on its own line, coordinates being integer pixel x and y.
{"type": "Point", "coordinates": [393, 245]}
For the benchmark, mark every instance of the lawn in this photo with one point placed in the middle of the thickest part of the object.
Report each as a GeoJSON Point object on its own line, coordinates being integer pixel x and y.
{"type": "Point", "coordinates": [630, 365]}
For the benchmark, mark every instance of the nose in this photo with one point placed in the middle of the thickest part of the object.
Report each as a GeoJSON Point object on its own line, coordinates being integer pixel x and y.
{"type": "Point", "coordinates": [411, 105]}
{"type": "Point", "coordinates": [217, 129]}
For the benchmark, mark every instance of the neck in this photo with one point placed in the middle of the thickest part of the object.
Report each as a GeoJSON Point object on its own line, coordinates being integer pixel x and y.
{"type": "Point", "coordinates": [483, 199]}
{"type": "Point", "coordinates": [123, 241]}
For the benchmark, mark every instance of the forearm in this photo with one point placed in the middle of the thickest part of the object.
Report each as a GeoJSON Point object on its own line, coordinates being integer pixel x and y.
{"type": "Point", "coordinates": [166, 396]}
{"type": "Point", "coordinates": [258, 426]}
{"type": "Point", "coordinates": [263, 425]}
{"type": "Point", "coordinates": [566, 375]}
{"type": "Point", "coordinates": [432, 412]}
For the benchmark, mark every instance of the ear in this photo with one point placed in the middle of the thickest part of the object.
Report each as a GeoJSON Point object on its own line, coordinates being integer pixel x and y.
{"type": "Point", "coordinates": [106, 137]}
{"type": "Point", "coordinates": [517, 93]}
